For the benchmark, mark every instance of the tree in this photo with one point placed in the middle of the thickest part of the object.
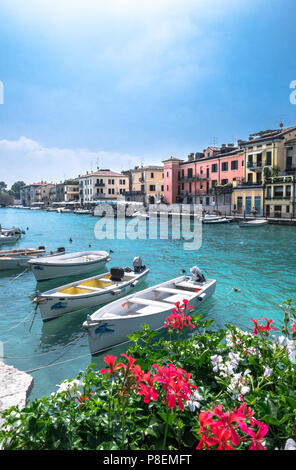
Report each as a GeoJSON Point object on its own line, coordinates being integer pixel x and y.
{"type": "Point", "coordinates": [15, 189]}
{"type": "Point", "coordinates": [3, 186]}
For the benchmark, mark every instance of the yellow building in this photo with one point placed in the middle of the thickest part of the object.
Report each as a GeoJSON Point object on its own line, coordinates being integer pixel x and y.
{"type": "Point", "coordinates": [279, 193]}
{"type": "Point", "coordinates": [149, 181]}
{"type": "Point", "coordinates": [265, 155]}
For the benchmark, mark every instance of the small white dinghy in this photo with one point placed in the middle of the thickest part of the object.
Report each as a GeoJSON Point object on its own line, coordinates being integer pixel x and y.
{"type": "Point", "coordinates": [15, 259]}
{"type": "Point", "coordinates": [253, 223]}
{"type": "Point", "coordinates": [68, 265]}
{"type": "Point", "coordinates": [90, 292]}
{"type": "Point", "coordinates": [111, 324]}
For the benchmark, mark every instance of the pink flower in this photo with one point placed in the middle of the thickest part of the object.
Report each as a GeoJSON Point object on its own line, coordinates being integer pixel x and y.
{"type": "Point", "coordinates": [110, 360]}
{"type": "Point", "coordinates": [257, 437]}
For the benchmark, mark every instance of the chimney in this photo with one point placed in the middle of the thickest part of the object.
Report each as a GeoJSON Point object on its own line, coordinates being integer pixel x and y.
{"type": "Point", "coordinates": [190, 157]}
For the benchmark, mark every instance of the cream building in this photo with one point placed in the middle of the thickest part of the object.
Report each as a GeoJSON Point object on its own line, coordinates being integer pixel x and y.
{"type": "Point", "coordinates": [101, 184]}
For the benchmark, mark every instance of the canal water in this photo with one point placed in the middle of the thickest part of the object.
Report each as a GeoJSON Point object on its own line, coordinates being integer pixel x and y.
{"type": "Point", "coordinates": [260, 263]}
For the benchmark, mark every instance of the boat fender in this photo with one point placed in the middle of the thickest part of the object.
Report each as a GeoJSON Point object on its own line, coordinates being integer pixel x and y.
{"type": "Point", "coordinates": [39, 300]}
{"type": "Point", "coordinates": [201, 297]}
{"type": "Point", "coordinates": [134, 283]}
{"type": "Point", "coordinates": [116, 291]}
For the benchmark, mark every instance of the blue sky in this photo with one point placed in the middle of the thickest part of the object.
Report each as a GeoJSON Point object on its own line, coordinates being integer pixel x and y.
{"type": "Point", "coordinates": [123, 82]}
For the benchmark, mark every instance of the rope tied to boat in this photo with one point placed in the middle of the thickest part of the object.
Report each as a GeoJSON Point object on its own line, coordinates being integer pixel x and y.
{"type": "Point", "coordinates": [22, 321]}
{"type": "Point", "coordinates": [16, 277]}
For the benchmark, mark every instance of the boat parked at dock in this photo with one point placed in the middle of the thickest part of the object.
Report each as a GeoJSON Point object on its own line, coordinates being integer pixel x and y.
{"type": "Point", "coordinates": [253, 223]}
{"type": "Point", "coordinates": [15, 259]}
{"type": "Point", "coordinates": [215, 219]}
{"type": "Point", "coordinates": [90, 292]}
{"type": "Point", "coordinates": [111, 324]}
{"type": "Point", "coordinates": [68, 264]}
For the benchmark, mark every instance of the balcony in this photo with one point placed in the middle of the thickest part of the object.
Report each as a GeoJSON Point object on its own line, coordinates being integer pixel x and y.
{"type": "Point", "coordinates": [255, 166]}
{"type": "Point", "coordinates": [101, 184]}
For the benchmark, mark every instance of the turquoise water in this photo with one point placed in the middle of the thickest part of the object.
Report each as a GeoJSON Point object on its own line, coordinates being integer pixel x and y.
{"type": "Point", "coordinates": [259, 262]}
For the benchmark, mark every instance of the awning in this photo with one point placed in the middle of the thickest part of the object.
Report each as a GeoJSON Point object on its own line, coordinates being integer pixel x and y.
{"type": "Point", "coordinates": [255, 152]}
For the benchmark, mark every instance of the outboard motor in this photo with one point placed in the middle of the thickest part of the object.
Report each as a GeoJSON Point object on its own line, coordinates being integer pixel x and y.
{"type": "Point", "coordinates": [137, 264]}
{"type": "Point", "coordinates": [117, 274]}
{"type": "Point", "coordinates": [61, 249]}
{"type": "Point", "coordinates": [197, 275]}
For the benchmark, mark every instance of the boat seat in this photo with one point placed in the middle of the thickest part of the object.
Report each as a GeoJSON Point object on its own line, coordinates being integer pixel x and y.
{"type": "Point", "coordinates": [139, 300]}
{"type": "Point", "coordinates": [96, 289]}
{"type": "Point", "coordinates": [176, 298]}
{"type": "Point", "coordinates": [169, 290]}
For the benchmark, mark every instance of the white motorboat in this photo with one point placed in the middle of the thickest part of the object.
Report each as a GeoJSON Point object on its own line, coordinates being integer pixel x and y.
{"type": "Point", "coordinates": [70, 264]}
{"type": "Point", "coordinates": [90, 292]}
{"type": "Point", "coordinates": [253, 223]}
{"type": "Point", "coordinates": [111, 324]}
{"type": "Point", "coordinates": [9, 236]}
{"type": "Point", "coordinates": [83, 211]}
{"type": "Point", "coordinates": [215, 219]}
{"type": "Point", "coordinates": [15, 259]}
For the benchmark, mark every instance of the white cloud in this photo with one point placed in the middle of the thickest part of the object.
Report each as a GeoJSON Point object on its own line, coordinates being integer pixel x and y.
{"type": "Point", "coordinates": [28, 160]}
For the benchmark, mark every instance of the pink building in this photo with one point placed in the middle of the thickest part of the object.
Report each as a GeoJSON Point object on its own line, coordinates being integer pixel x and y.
{"type": "Point", "coordinates": [204, 177]}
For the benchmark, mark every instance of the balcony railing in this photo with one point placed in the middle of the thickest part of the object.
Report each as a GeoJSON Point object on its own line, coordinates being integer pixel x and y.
{"type": "Point", "coordinates": [255, 165]}
{"type": "Point", "coordinates": [100, 184]}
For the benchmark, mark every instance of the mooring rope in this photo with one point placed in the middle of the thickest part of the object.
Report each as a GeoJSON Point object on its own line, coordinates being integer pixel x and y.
{"type": "Point", "coordinates": [22, 321]}
{"type": "Point", "coordinates": [44, 353]}
{"type": "Point", "coordinates": [16, 277]}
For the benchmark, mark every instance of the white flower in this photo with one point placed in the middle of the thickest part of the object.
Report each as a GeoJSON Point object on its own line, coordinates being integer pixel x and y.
{"type": "Point", "coordinates": [235, 358]}
{"type": "Point", "coordinates": [216, 361]}
{"type": "Point", "coordinates": [290, 445]}
{"type": "Point", "coordinates": [70, 387]}
{"type": "Point", "coordinates": [267, 371]}
{"type": "Point", "coordinates": [193, 401]}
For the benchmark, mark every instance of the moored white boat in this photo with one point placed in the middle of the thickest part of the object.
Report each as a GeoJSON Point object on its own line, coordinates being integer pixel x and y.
{"type": "Point", "coordinates": [9, 236]}
{"type": "Point", "coordinates": [83, 211]}
{"type": "Point", "coordinates": [68, 265]}
{"type": "Point", "coordinates": [215, 219]}
{"type": "Point", "coordinates": [15, 259]}
{"type": "Point", "coordinates": [253, 223]}
{"type": "Point", "coordinates": [111, 324]}
{"type": "Point", "coordinates": [90, 292]}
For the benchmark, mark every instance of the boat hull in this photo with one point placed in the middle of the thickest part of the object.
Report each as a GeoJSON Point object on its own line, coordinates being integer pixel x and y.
{"type": "Point", "coordinates": [44, 270]}
{"type": "Point", "coordinates": [52, 307]}
{"type": "Point", "coordinates": [107, 333]}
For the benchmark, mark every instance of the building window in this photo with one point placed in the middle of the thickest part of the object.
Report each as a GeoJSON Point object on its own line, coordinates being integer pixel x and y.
{"type": "Point", "coordinates": [189, 172]}
{"type": "Point", "coordinates": [234, 165]}
{"type": "Point", "coordinates": [224, 166]}
{"type": "Point", "coordinates": [214, 168]}
{"type": "Point", "coordinates": [151, 175]}
{"type": "Point", "coordinates": [287, 209]}
{"type": "Point", "coordinates": [288, 191]}
{"type": "Point", "coordinates": [214, 182]}
{"type": "Point", "coordinates": [162, 187]}
{"type": "Point", "coordinates": [224, 181]}
{"type": "Point", "coordinates": [151, 187]}
{"type": "Point", "coordinates": [268, 158]}
{"type": "Point", "coordinates": [250, 177]}
{"type": "Point", "coordinates": [278, 191]}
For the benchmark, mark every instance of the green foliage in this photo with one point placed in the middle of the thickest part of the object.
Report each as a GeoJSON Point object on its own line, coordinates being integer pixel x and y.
{"type": "Point", "coordinates": [62, 422]}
